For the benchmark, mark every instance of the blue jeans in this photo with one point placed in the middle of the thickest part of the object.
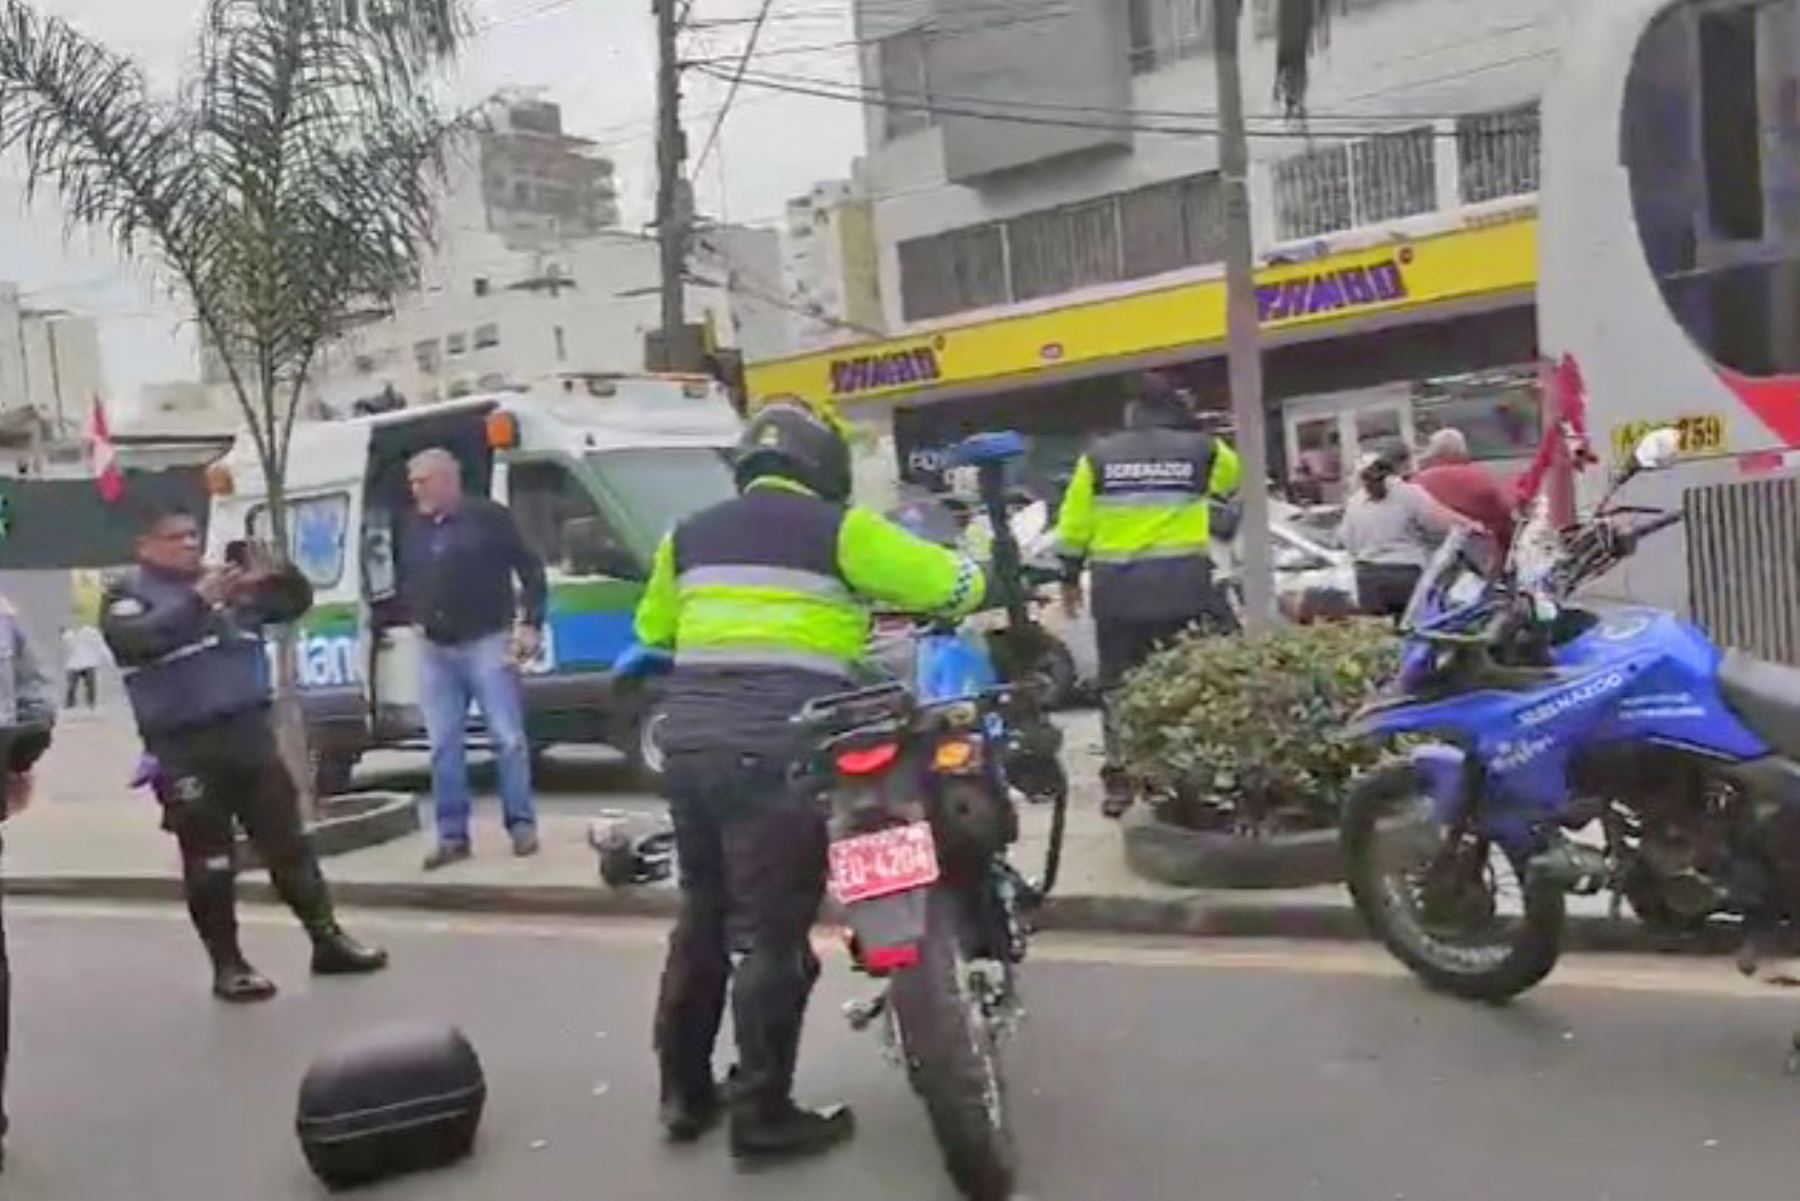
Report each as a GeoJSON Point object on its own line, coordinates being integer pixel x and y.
{"type": "Point", "coordinates": [448, 677]}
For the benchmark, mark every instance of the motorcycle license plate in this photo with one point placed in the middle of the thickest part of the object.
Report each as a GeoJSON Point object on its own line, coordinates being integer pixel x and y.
{"type": "Point", "coordinates": [888, 861]}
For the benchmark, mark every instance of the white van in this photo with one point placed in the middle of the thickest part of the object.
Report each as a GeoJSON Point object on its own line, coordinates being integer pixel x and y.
{"type": "Point", "coordinates": [596, 469]}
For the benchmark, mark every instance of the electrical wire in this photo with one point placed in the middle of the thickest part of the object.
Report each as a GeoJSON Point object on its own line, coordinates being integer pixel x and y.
{"type": "Point", "coordinates": [737, 81]}
{"type": "Point", "coordinates": [1042, 113]}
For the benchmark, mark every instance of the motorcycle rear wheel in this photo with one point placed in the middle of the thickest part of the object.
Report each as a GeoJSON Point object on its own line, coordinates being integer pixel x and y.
{"type": "Point", "coordinates": [1493, 963]}
{"type": "Point", "coordinates": [952, 1058]}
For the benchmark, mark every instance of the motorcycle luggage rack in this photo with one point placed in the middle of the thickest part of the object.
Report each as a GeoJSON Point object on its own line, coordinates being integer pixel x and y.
{"type": "Point", "coordinates": [844, 711]}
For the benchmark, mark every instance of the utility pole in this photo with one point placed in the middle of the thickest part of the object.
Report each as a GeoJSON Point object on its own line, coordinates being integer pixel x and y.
{"type": "Point", "coordinates": [672, 207]}
{"type": "Point", "coordinates": [1242, 333]}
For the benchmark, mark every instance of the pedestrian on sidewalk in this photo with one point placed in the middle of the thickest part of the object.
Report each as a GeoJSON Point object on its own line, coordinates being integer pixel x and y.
{"type": "Point", "coordinates": [1139, 509]}
{"type": "Point", "coordinates": [1452, 478]}
{"type": "Point", "coordinates": [458, 557]}
{"type": "Point", "coordinates": [27, 713]}
{"type": "Point", "coordinates": [189, 638]}
{"type": "Point", "coordinates": [1391, 528]}
{"type": "Point", "coordinates": [84, 654]}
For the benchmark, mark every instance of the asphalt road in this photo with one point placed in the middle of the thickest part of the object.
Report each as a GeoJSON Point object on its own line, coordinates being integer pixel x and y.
{"type": "Point", "coordinates": [1148, 1071]}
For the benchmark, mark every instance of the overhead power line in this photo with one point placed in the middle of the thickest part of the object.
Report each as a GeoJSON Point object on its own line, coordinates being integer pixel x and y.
{"type": "Point", "coordinates": [737, 81]}
{"type": "Point", "coordinates": [1095, 117]}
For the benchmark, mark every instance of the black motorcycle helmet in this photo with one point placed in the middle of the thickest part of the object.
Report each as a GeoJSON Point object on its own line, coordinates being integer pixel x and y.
{"type": "Point", "coordinates": [788, 440]}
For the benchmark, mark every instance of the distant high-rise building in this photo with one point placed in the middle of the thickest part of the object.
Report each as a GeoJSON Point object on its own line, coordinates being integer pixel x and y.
{"type": "Point", "coordinates": [539, 185]}
{"type": "Point", "coordinates": [829, 267]}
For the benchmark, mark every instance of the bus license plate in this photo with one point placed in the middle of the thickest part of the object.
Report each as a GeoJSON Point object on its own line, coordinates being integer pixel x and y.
{"type": "Point", "coordinates": [888, 861]}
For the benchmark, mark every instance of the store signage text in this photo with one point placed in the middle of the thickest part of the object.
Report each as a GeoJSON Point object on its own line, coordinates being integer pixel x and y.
{"type": "Point", "coordinates": [869, 372]}
{"type": "Point", "coordinates": [1331, 291]}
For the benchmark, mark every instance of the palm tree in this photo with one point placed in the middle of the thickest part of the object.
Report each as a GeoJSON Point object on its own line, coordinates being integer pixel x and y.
{"type": "Point", "coordinates": [287, 187]}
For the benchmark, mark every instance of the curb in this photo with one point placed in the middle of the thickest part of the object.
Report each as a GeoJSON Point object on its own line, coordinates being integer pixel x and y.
{"type": "Point", "coordinates": [1190, 917]}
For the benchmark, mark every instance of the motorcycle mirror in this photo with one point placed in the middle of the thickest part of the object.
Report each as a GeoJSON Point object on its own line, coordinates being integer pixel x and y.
{"type": "Point", "coordinates": [1657, 449]}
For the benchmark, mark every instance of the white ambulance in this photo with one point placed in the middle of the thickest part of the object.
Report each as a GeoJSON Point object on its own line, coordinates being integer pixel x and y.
{"type": "Point", "coordinates": [596, 469]}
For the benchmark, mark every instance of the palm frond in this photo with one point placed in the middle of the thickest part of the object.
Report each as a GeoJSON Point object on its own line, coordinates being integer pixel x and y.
{"type": "Point", "coordinates": [1302, 27]}
{"type": "Point", "coordinates": [85, 124]}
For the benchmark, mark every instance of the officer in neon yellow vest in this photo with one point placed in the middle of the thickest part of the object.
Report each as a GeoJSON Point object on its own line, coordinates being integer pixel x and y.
{"type": "Point", "coordinates": [764, 603]}
{"type": "Point", "coordinates": [1139, 510]}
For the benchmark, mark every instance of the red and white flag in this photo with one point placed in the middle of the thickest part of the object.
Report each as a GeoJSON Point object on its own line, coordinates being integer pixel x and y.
{"type": "Point", "coordinates": [107, 476]}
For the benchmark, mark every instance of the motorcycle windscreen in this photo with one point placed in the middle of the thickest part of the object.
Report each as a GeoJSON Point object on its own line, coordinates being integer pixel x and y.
{"type": "Point", "coordinates": [1454, 579]}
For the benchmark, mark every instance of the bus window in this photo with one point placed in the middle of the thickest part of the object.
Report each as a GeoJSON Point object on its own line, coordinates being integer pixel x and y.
{"type": "Point", "coordinates": [1708, 146]}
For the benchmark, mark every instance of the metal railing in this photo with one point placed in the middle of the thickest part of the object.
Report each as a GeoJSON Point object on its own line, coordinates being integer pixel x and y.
{"type": "Point", "coordinates": [1744, 564]}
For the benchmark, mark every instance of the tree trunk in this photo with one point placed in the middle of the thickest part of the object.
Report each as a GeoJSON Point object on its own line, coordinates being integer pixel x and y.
{"type": "Point", "coordinates": [289, 716]}
{"type": "Point", "coordinates": [1243, 349]}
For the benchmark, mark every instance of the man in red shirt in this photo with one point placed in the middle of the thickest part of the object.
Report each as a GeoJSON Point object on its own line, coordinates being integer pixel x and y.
{"type": "Point", "coordinates": [1464, 487]}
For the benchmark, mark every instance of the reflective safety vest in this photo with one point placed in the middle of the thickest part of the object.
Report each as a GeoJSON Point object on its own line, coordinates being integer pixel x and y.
{"type": "Point", "coordinates": [779, 578]}
{"type": "Point", "coordinates": [1139, 510]}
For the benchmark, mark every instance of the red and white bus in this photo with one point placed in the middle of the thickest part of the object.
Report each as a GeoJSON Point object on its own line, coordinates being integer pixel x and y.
{"type": "Point", "coordinates": [1669, 236]}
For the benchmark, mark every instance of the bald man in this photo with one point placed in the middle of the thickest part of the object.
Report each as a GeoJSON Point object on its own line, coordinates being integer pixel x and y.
{"type": "Point", "coordinates": [1448, 474]}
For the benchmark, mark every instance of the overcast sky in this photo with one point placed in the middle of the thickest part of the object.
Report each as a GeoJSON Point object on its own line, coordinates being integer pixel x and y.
{"type": "Point", "coordinates": [594, 57]}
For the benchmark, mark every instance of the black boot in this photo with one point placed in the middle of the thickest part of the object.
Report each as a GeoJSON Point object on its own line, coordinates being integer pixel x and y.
{"type": "Point", "coordinates": [212, 904]}
{"type": "Point", "coordinates": [337, 954]}
{"type": "Point", "coordinates": [688, 1117]}
{"type": "Point", "coordinates": [786, 1131]}
{"type": "Point", "coordinates": [241, 984]}
{"type": "Point", "coordinates": [300, 883]}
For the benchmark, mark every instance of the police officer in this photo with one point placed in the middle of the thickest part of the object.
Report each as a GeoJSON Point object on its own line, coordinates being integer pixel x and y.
{"type": "Point", "coordinates": [189, 640]}
{"type": "Point", "coordinates": [1139, 509]}
{"type": "Point", "coordinates": [27, 713]}
{"type": "Point", "coordinates": [763, 602]}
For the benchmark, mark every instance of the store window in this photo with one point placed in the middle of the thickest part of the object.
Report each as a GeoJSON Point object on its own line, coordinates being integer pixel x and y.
{"type": "Point", "coordinates": [1498, 154]}
{"type": "Point", "coordinates": [1062, 249]}
{"type": "Point", "coordinates": [953, 272]}
{"type": "Point", "coordinates": [1352, 184]}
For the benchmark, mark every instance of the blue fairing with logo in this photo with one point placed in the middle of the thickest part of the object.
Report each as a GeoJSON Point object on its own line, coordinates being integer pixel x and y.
{"type": "Point", "coordinates": [1633, 676]}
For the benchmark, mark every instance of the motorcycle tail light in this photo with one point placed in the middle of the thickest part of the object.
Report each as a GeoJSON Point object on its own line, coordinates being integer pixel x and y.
{"type": "Point", "coordinates": [953, 754]}
{"type": "Point", "coordinates": [880, 960]}
{"type": "Point", "coordinates": [868, 760]}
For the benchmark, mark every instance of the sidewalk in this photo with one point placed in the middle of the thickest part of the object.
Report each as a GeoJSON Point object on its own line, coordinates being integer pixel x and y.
{"type": "Point", "coordinates": [89, 836]}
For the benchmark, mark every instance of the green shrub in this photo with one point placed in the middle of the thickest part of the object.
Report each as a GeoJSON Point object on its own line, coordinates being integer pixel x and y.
{"type": "Point", "coordinates": [1243, 736]}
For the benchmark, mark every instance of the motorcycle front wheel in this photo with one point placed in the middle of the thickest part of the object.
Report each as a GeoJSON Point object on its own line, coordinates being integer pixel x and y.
{"type": "Point", "coordinates": [1435, 897]}
{"type": "Point", "coordinates": [952, 1058]}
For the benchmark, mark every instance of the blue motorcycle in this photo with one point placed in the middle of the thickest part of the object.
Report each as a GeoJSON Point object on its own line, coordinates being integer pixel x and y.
{"type": "Point", "coordinates": [1529, 717]}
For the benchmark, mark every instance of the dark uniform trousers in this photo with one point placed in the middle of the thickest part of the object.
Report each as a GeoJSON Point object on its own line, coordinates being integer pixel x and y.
{"type": "Point", "coordinates": [752, 851]}
{"type": "Point", "coordinates": [1124, 642]}
{"type": "Point", "coordinates": [214, 776]}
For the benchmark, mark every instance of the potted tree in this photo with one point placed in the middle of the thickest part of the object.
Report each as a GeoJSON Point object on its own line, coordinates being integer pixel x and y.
{"type": "Point", "coordinates": [1236, 742]}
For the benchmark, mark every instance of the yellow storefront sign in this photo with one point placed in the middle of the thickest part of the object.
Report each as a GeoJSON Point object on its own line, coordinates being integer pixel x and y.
{"type": "Point", "coordinates": [1338, 288]}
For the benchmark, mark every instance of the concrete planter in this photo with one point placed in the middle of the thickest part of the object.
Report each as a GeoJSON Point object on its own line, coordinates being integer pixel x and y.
{"type": "Point", "coordinates": [351, 823]}
{"type": "Point", "coordinates": [1175, 855]}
